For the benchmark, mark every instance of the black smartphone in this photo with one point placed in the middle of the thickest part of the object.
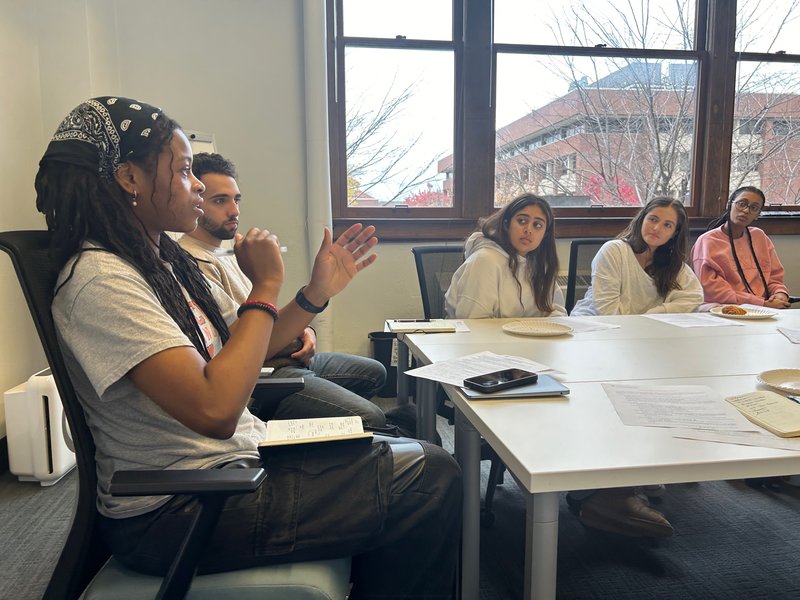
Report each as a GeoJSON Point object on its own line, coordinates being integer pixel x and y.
{"type": "Point", "coordinates": [500, 380]}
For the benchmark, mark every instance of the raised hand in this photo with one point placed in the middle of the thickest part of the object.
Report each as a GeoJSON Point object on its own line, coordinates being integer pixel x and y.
{"type": "Point", "coordinates": [338, 262]}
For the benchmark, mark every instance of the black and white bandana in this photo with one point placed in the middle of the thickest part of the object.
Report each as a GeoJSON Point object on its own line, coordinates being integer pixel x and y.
{"type": "Point", "coordinates": [102, 133]}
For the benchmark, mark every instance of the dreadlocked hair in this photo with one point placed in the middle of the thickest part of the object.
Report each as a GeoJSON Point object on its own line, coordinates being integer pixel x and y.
{"type": "Point", "coordinates": [79, 206]}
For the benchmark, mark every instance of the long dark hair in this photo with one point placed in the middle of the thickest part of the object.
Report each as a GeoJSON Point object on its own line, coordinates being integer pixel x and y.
{"type": "Point", "coordinates": [542, 262]}
{"type": "Point", "coordinates": [80, 205]}
{"type": "Point", "coordinates": [725, 219]}
{"type": "Point", "coordinates": [668, 260]}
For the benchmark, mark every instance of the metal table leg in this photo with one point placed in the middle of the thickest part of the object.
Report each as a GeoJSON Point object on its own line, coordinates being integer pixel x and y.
{"type": "Point", "coordinates": [426, 409]}
{"type": "Point", "coordinates": [468, 453]}
{"type": "Point", "coordinates": [402, 366]}
{"type": "Point", "coordinates": [541, 546]}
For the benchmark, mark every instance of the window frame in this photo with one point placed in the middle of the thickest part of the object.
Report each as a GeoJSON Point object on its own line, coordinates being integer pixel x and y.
{"type": "Point", "coordinates": [474, 126]}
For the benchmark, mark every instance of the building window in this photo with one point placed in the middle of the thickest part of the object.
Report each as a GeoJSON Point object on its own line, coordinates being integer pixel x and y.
{"type": "Point", "coordinates": [442, 110]}
{"type": "Point", "coordinates": [765, 149]}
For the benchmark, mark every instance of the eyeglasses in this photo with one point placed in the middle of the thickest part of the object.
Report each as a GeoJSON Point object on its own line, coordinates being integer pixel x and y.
{"type": "Point", "coordinates": [744, 205]}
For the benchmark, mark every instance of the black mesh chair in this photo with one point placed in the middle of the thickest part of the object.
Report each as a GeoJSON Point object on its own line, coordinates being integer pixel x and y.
{"type": "Point", "coordinates": [694, 233]}
{"type": "Point", "coordinates": [435, 268]}
{"type": "Point", "coordinates": [579, 273]}
{"type": "Point", "coordinates": [85, 568]}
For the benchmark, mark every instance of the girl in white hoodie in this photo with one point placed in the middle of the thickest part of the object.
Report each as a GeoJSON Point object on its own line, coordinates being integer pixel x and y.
{"type": "Point", "coordinates": [511, 265]}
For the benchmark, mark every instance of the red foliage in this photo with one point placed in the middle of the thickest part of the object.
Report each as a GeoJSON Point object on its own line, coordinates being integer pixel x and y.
{"type": "Point", "coordinates": [427, 197]}
{"type": "Point", "coordinates": [611, 192]}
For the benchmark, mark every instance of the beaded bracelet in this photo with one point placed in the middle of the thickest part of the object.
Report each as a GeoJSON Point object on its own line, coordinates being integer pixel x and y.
{"type": "Point", "coordinates": [258, 304]}
{"type": "Point", "coordinates": [303, 302]}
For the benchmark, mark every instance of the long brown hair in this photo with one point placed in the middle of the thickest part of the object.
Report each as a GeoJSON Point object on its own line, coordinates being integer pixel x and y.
{"type": "Point", "coordinates": [542, 262]}
{"type": "Point", "coordinates": [668, 260]}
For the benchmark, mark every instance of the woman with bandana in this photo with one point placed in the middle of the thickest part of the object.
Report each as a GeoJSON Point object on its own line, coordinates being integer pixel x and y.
{"type": "Point", "coordinates": [164, 370]}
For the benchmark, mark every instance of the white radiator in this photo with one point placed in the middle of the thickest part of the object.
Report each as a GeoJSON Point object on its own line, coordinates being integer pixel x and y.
{"type": "Point", "coordinates": [39, 443]}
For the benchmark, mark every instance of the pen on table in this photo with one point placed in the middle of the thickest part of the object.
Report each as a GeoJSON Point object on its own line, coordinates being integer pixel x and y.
{"type": "Point", "coordinates": [794, 399]}
{"type": "Point", "coordinates": [230, 251]}
{"type": "Point", "coordinates": [412, 320]}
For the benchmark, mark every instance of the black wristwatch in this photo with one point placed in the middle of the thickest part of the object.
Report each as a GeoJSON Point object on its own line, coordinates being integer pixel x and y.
{"type": "Point", "coordinates": [303, 302]}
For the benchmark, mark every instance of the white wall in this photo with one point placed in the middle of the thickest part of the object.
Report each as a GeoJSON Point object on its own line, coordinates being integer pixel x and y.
{"type": "Point", "coordinates": [20, 150]}
{"type": "Point", "coordinates": [234, 68]}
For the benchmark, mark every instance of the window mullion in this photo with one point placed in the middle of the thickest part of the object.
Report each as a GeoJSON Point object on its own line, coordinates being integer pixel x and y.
{"type": "Point", "coordinates": [474, 166]}
{"type": "Point", "coordinates": [720, 85]}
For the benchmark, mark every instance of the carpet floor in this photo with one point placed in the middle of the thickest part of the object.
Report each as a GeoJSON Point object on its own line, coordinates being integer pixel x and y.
{"type": "Point", "coordinates": [730, 542]}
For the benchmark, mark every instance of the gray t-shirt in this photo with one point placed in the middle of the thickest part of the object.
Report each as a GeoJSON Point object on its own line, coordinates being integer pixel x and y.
{"type": "Point", "coordinates": [109, 320]}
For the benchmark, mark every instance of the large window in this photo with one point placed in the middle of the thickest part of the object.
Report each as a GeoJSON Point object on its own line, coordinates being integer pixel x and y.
{"type": "Point", "coordinates": [765, 146]}
{"type": "Point", "coordinates": [443, 110]}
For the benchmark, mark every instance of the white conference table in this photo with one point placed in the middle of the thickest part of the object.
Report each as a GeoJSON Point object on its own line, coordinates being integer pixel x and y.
{"type": "Point", "coordinates": [555, 445]}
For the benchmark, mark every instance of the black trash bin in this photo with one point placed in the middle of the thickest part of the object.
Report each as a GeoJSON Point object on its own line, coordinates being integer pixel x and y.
{"type": "Point", "coordinates": [382, 349]}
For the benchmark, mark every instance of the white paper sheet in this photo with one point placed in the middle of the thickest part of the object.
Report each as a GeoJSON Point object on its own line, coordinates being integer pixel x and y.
{"type": "Point", "coordinates": [793, 335]}
{"type": "Point", "coordinates": [685, 406]}
{"type": "Point", "coordinates": [584, 324]}
{"type": "Point", "coordinates": [761, 438]}
{"type": "Point", "coordinates": [694, 320]}
{"type": "Point", "coordinates": [457, 370]}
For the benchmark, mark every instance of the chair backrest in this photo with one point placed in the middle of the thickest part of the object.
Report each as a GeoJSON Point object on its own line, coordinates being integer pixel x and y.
{"type": "Point", "coordinates": [84, 551]}
{"type": "Point", "coordinates": [694, 233]}
{"type": "Point", "coordinates": [435, 268]}
{"type": "Point", "coordinates": [579, 273]}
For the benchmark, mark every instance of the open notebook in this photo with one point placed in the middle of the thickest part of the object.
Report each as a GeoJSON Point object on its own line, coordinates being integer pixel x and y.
{"type": "Point", "coordinates": [544, 387]}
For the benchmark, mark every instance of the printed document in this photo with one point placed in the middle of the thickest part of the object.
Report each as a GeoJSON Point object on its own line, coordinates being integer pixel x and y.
{"type": "Point", "coordinates": [685, 406]}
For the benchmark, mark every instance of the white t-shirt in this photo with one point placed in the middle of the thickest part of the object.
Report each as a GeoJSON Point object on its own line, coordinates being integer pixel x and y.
{"type": "Point", "coordinates": [109, 320]}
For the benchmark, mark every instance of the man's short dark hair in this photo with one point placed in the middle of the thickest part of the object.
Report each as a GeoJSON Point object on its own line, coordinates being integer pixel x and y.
{"type": "Point", "coordinates": [207, 162]}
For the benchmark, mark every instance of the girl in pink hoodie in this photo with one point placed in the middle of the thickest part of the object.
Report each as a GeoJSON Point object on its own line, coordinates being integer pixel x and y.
{"type": "Point", "coordinates": [737, 263]}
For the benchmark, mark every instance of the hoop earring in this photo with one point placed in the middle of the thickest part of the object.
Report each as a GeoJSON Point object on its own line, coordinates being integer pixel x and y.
{"type": "Point", "coordinates": [133, 202]}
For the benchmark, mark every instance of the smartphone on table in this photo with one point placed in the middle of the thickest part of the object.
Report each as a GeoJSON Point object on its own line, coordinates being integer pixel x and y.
{"type": "Point", "coordinates": [501, 380]}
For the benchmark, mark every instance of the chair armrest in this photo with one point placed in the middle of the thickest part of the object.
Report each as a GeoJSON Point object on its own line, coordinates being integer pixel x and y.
{"type": "Point", "coordinates": [211, 486]}
{"type": "Point", "coordinates": [280, 385]}
{"type": "Point", "coordinates": [186, 481]}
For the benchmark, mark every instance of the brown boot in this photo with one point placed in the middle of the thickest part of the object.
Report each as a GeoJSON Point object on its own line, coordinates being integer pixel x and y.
{"type": "Point", "coordinates": [622, 511]}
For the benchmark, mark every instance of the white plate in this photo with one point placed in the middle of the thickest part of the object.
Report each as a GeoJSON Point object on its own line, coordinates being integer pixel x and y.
{"type": "Point", "coordinates": [537, 328]}
{"type": "Point", "coordinates": [786, 380]}
{"type": "Point", "coordinates": [752, 313]}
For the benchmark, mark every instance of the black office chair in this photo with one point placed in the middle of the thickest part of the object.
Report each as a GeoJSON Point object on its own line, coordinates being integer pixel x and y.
{"type": "Point", "coordinates": [85, 568]}
{"type": "Point", "coordinates": [435, 268]}
{"type": "Point", "coordinates": [579, 273]}
{"type": "Point", "coordinates": [694, 233]}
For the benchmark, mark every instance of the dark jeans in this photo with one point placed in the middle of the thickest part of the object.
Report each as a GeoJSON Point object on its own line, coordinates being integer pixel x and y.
{"type": "Point", "coordinates": [394, 505]}
{"type": "Point", "coordinates": [336, 385]}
